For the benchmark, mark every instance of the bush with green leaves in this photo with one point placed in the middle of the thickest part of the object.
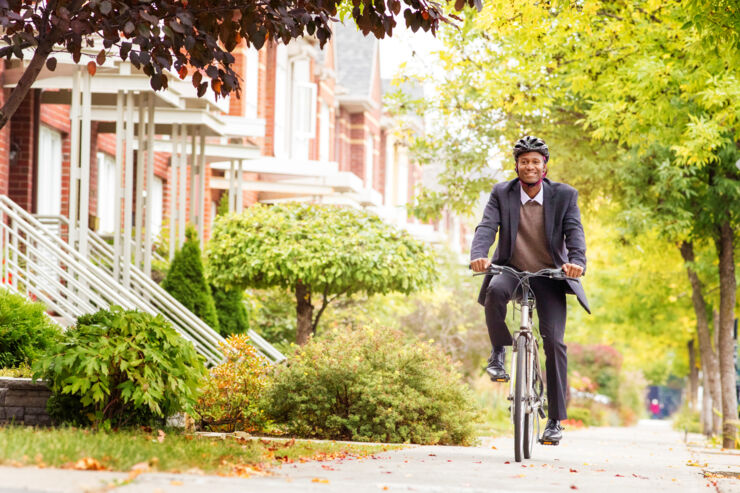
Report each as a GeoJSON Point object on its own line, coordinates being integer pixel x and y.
{"type": "Point", "coordinates": [25, 329]}
{"type": "Point", "coordinates": [120, 367]}
{"type": "Point", "coordinates": [186, 282]}
{"type": "Point", "coordinates": [232, 314]}
{"type": "Point", "coordinates": [319, 253]}
{"type": "Point", "coordinates": [372, 385]}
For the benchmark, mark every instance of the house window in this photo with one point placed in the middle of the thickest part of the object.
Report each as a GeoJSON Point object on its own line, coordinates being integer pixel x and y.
{"type": "Point", "coordinates": [303, 114]}
{"type": "Point", "coordinates": [106, 193]}
{"type": "Point", "coordinates": [325, 142]}
{"type": "Point", "coordinates": [252, 82]}
{"type": "Point", "coordinates": [281, 106]}
{"type": "Point", "coordinates": [369, 158]}
{"type": "Point", "coordinates": [49, 176]}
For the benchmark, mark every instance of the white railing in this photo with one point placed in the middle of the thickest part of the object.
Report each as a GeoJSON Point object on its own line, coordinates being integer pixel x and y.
{"type": "Point", "coordinates": [102, 254]}
{"type": "Point", "coordinates": [37, 262]}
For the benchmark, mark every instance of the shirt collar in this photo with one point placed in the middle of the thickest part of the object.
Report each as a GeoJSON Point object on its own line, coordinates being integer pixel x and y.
{"type": "Point", "coordinates": [539, 198]}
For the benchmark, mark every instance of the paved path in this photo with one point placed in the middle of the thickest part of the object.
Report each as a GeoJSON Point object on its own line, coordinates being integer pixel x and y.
{"type": "Point", "coordinates": [649, 457]}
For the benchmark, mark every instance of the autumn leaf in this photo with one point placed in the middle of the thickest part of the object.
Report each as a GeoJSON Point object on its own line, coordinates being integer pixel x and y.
{"type": "Point", "coordinates": [160, 436]}
{"type": "Point", "coordinates": [88, 464]}
{"type": "Point", "coordinates": [91, 68]}
{"type": "Point", "coordinates": [320, 480]}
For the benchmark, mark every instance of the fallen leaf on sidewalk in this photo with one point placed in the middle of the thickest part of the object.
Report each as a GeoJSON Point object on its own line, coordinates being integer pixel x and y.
{"type": "Point", "coordinates": [494, 447]}
{"type": "Point", "coordinates": [573, 470]}
{"type": "Point", "coordinates": [320, 480]}
{"type": "Point", "coordinates": [619, 475]}
{"type": "Point", "coordinates": [573, 487]}
{"type": "Point", "coordinates": [176, 483]}
{"type": "Point", "coordinates": [88, 464]}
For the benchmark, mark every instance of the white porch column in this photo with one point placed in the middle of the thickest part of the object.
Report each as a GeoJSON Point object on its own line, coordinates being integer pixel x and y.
{"type": "Point", "coordinates": [128, 195]}
{"type": "Point", "coordinates": [84, 164]}
{"type": "Point", "coordinates": [149, 185]}
{"type": "Point", "coordinates": [173, 188]}
{"type": "Point", "coordinates": [193, 188]}
{"type": "Point", "coordinates": [117, 195]}
{"type": "Point", "coordinates": [202, 211]}
{"type": "Point", "coordinates": [182, 198]}
{"type": "Point", "coordinates": [74, 158]}
{"type": "Point", "coordinates": [239, 192]}
{"type": "Point", "coordinates": [232, 186]}
{"type": "Point", "coordinates": [140, 193]}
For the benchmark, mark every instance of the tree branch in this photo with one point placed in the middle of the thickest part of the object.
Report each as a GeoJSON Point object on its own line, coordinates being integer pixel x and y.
{"type": "Point", "coordinates": [325, 302]}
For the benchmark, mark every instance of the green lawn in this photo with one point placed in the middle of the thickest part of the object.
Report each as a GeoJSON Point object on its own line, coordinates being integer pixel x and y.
{"type": "Point", "coordinates": [172, 451]}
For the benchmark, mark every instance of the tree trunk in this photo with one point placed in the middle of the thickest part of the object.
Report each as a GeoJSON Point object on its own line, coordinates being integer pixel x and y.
{"type": "Point", "coordinates": [19, 92]}
{"type": "Point", "coordinates": [693, 376]}
{"type": "Point", "coordinates": [727, 296]}
{"type": "Point", "coordinates": [709, 362]}
{"type": "Point", "coordinates": [304, 314]}
{"type": "Point", "coordinates": [706, 406]}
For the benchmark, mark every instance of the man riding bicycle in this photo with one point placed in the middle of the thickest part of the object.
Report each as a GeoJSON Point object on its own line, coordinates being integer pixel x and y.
{"type": "Point", "coordinates": [539, 226]}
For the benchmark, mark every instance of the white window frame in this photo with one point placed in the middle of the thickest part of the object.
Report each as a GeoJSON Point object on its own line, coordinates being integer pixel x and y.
{"type": "Point", "coordinates": [49, 172]}
{"type": "Point", "coordinates": [252, 82]}
{"type": "Point", "coordinates": [106, 193]}
{"type": "Point", "coordinates": [325, 133]}
{"type": "Point", "coordinates": [303, 103]}
{"type": "Point", "coordinates": [157, 203]}
{"type": "Point", "coordinates": [369, 160]}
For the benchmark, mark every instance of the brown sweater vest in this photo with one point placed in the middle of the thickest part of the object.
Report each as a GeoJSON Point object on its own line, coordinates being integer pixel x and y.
{"type": "Point", "coordinates": [530, 249]}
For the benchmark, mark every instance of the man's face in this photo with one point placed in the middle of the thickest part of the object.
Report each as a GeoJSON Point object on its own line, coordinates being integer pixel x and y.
{"type": "Point", "coordinates": [531, 167]}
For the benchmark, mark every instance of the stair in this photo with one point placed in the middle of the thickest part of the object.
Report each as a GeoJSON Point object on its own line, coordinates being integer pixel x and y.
{"type": "Point", "coordinates": [38, 262]}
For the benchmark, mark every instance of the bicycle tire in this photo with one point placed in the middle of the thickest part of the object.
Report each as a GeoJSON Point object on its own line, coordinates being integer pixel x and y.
{"type": "Point", "coordinates": [519, 412]}
{"type": "Point", "coordinates": [529, 432]}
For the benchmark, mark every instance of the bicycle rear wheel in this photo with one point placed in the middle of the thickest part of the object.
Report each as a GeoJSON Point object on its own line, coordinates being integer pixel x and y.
{"type": "Point", "coordinates": [519, 395]}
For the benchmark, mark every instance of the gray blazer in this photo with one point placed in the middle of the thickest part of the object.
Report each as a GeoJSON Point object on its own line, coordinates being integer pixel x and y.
{"type": "Point", "coordinates": [563, 229]}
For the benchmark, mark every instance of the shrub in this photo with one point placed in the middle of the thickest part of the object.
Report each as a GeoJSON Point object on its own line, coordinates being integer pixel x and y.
{"type": "Point", "coordinates": [687, 420]}
{"type": "Point", "coordinates": [372, 385]}
{"type": "Point", "coordinates": [117, 368]}
{"type": "Point", "coordinates": [186, 282]}
{"type": "Point", "coordinates": [580, 414]}
{"type": "Point", "coordinates": [232, 314]}
{"type": "Point", "coordinates": [229, 399]}
{"type": "Point", "coordinates": [25, 330]}
{"type": "Point", "coordinates": [599, 363]}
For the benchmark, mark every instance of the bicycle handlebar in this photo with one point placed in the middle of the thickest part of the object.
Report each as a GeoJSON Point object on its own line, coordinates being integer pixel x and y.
{"type": "Point", "coordinates": [498, 269]}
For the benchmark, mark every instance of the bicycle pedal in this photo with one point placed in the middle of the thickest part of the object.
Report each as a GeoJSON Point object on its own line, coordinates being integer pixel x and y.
{"type": "Point", "coordinates": [549, 442]}
{"type": "Point", "coordinates": [500, 379]}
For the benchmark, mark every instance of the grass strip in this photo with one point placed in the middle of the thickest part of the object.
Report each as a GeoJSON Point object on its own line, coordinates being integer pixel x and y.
{"type": "Point", "coordinates": [171, 451]}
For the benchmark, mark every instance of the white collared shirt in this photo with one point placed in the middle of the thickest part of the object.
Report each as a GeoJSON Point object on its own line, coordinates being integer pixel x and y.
{"type": "Point", "coordinates": [539, 198]}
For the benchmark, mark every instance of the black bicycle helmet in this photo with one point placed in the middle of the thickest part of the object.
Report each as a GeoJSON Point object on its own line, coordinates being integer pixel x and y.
{"type": "Point", "coordinates": [529, 143]}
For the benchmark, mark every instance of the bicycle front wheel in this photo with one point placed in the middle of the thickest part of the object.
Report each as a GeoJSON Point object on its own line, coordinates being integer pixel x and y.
{"type": "Point", "coordinates": [530, 415]}
{"type": "Point", "coordinates": [519, 397]}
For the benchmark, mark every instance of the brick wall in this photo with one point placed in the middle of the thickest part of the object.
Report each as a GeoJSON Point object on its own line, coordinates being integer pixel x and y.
{"type": "Point", "coordinates": [23, 401]}
{"type": "Point", "coordinates": [23, 135]}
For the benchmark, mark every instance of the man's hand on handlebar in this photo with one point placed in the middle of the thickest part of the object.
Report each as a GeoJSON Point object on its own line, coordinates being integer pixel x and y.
{"type": "Point", "coordinates": [572, 270]}
{"type": "Point", "coordinates": [480, 264]}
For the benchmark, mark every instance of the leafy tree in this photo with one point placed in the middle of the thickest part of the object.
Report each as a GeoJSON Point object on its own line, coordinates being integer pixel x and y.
{"type": "Point", "coordinates": [175, 35]}
{"type": "Point", "coordinates": [640, 101]}
{"type": "Point", "coordinates": [315, 251]}
{"type": "Point", "coordinates": [186, 282]}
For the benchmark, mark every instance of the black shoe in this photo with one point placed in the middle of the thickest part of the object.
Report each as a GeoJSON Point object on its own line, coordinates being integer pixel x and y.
{"type": "Point", "coordinates": [553, 432]}
{"type": "Point", "coordinates": [496, 362]}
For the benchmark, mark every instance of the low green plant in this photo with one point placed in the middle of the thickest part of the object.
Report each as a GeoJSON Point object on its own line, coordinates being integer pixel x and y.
{"type": "Point", "coordinates": [229, 400]}
{"type": "Point", "coordinates": [186, 282]}
{"type": "Point", "coordinates": [25, 329]}
{"type": "Point", "coordinates": [372, 384]}
{"type": "Point", "coordinates": [21, 371]}
{"type": "Point", "coordinates": [581, 414]}
{"type": "Point", "coordinates": [120, 367]}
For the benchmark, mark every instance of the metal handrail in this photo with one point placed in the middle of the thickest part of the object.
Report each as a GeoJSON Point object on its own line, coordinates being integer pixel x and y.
{"type": "Point", "coordinates": [102, 254]}
{"type": "Point", "coordinates": [85, 284]}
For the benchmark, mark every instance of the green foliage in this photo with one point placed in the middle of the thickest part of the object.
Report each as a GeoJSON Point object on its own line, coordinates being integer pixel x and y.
{"type": "Point", "coordinates": [598, 362]}
{"type": "Point", "coordinates": [271, 313]}
{"type": "Point", "coordinates": [232, 314]}
{"type": "Point", "coordinates": [581, 414]}
{"type": "Point", "coordinates": [223, 204]}
{"type": "Point", "coordinates": [186, 282]}
{"type": "Point", "coordinates": [331, 249]}
{"type": "Point", "coordinates": [687, 420]}
{"type": "Point", "coordinates": [372, 385]}
{"type": "Point", "coordinates": [118, 367]}
{"type": "Point", "coordinates": [25, 330]}
{"type": "Point", "coordinates": [22, 371]}
{"type": "Point", "coordinates": [230, 398]}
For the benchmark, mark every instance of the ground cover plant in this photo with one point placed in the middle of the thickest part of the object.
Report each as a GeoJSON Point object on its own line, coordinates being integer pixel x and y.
{"type": "Point", "coordinates": [25, 330]}
{"type": "Point", "coordinates": [160, 450]}
{"type": "Point", "coordinates": [372, 385]}
{"type": "Point", "coordinates": [120, 367]}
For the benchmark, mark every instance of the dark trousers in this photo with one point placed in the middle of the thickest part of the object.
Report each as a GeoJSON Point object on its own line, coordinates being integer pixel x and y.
{"type": "Point", "coordinates": [551, 311]}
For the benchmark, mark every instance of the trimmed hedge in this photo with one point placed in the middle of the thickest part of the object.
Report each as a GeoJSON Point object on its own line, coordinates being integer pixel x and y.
{"type": "Point", "coordinates": [25, 330]}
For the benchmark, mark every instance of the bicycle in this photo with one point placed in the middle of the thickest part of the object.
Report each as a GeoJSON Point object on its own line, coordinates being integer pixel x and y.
{"type": "Point", "coordinates": [526, 386]}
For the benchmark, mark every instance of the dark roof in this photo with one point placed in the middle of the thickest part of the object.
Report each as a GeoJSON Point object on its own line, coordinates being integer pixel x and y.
{"type": "Point", "coordinates": [355, 54]}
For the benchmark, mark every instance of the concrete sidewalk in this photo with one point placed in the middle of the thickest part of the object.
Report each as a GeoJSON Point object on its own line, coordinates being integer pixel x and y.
{"type": "Point", "coordinates": [720, 466]}
{"type": "Point", "coordinates": [649, 457]}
